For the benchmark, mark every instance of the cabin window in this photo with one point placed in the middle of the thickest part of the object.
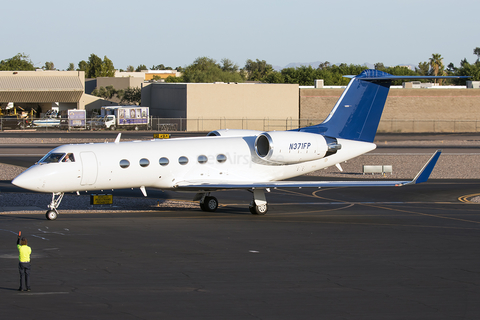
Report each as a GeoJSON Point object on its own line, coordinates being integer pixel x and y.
{"type": "Point", "coordinates": [183, 160]}
{"type": "Point", "coordinates": [124, 163]}
{"type": "Point", "coordinates": [163, 161]}
{"type": "Point", "coordinates": [144, 162]}
{"type": "Point", "coordinates": [69, 158]}
{"type": "Point", "coordinates": [202, 159]}
{"type": "Point", "coordinates": [52, 158]}
{"type": "Point", "coordinates": [221, 158]}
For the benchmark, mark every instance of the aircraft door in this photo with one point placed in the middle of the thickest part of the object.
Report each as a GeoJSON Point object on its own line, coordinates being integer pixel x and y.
{"type": "Point", "coordinates": [89, 168]}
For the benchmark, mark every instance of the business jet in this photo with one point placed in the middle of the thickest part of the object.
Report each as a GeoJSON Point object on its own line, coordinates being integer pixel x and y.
{"type": "Point", "coordinates": [256, 161]}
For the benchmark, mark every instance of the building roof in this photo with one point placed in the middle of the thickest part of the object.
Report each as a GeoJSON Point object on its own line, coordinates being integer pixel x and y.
{"type": "Point", "coordinates": [40, 88]}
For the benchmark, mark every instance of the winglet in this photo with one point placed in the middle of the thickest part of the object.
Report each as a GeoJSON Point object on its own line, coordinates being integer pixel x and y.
{"type": "Point", "coordinates": [427, 169]}
{"type": "Point", "coordinates": [117, 140]}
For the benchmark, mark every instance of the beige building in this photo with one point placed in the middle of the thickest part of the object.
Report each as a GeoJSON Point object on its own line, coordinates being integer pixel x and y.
{"type": "Point", "coordinates": [211, 106]}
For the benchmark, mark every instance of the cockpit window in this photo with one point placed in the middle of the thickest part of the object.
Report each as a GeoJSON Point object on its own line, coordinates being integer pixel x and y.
{"type": "Point", "coordinates": [69, 158]}
{"type": "Point", "coordinates": [52, 158]}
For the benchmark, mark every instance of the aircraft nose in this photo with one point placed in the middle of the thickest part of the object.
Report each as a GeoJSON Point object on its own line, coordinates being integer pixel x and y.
{"type": "Point", "coordinates": [26, 180]}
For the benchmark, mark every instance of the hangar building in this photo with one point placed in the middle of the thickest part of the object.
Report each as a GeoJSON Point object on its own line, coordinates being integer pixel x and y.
{"type": "Point", "coordinates": [39, 90]}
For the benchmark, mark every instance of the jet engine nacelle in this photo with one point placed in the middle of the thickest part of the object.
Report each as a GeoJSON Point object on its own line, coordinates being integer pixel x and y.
{"type": "Point", "coordinates": [288, 147]}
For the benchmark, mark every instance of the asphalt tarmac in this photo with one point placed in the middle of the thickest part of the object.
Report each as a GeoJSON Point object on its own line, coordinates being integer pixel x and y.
{"type": "Point", "coordinates": [391, 253]}
{"type": "Point", "coordinates": [339, 253]}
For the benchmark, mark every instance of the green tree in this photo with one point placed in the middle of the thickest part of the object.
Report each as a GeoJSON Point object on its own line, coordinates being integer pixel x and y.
{"type": "Point", "coordinates": [423, 69]}
{"type": "Point", "coordinates": [172, 79]}
{"type": "Point", "coordinates": [95, 67]}
{"type": "Point", "coordinates": [207, 70]}
{"type": "Point", "coordinates": [71, 67]}
{"type": "Point", "coordinates": [83, 66]}
{"type": "Point", "coordinates": [105, 92]}
{"type": "Point", "coordinates": [130, 69]}
{"type": "Point", "coordinates": [304, 75]}
{"type": "Point", "coordinates": [400, 71]}
{"type": "Point", "coordinates": [380, 66]}
{"type": "Point", "coordinates": [49, 66]}
{"type": "Point", "coordinates": [19, 62]}
{"type": "Point", "coordinates": [274, 77]}
{"type": "Point", "coordinates": [158, 67]}
{"type": "Point", "coordinates": [476, 52]}
{"type": "Point", "coordinates": [131, 96]}
{"type": "Point", "coordinates": [324, 65]}
{"type": "Point", "coordinates": [257, 70]}
{"type": "Point", "coordinates": [451, 69]}
{"type": "Point", "coordinates": [467, 69]}
{"type": "Point", "coordinates": [108, 70]}
{"type": "Point", "coordinates": [229, 66]}
{"type": "Point", "coordinates": [141, 67]}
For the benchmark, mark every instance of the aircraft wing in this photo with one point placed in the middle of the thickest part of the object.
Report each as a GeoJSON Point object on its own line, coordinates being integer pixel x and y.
{"type": "Point", "coordinates": [422, 176]}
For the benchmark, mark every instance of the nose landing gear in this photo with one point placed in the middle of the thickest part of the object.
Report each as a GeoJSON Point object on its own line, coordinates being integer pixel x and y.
{"type": "Point", "coordinates": [52, 213]}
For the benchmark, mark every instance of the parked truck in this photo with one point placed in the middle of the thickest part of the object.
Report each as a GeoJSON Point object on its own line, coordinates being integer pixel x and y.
{"type": "Point", "coordinates": [73, 119]}
{"type": "Point", "coordinates": [126, 117]}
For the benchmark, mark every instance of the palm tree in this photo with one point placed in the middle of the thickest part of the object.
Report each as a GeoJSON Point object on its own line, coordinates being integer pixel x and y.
{"type": "Point", "coordinates": [436, 64]}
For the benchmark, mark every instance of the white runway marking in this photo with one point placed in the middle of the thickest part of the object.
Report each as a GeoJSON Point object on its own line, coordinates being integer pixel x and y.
{"type": "Point", "coordinates": [41, 293]}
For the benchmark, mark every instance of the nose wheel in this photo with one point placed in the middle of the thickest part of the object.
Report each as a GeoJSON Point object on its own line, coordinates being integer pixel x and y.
{"type": "Point", "coordinates": [52, 213]}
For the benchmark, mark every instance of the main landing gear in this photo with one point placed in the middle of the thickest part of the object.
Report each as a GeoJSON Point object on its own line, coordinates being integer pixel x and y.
{"type": "Point", "coordinates": [52, 212]}
{"type": "Point", "coordinates": [258, 205]}
{"type": "Point", "coordinates": [208, 203]}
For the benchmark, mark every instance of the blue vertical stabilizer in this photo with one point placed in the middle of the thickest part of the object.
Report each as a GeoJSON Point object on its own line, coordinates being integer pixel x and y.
{"type": "Point", "coordinates": [357, 113]}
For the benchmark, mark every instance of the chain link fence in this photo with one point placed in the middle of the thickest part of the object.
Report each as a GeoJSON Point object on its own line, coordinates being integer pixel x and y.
{"type": "Point", "coordinates": [266, 124]}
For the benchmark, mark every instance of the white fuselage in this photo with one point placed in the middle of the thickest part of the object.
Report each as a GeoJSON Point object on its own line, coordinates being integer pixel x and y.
{"type": "Point", "coordinates": [97, 166]}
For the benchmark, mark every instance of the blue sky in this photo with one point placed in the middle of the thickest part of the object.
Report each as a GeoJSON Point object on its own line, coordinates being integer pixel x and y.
{"type": "Point", "coordinates": [175, 33]}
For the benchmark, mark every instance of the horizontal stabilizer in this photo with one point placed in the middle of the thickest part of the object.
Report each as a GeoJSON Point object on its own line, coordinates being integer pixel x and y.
{"type": "Point", "coordinates": [422, 176]}
{"type": "Point", "coordinates": [375, 75]}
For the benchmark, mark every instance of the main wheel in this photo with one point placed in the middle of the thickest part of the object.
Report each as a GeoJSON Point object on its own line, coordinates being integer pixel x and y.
{"type": "Point", "coordinates": [51, 214]}
{"type": "Point", "coordinates": [260, 210]}
{"type": "Point", "coordinates": [209, 204]}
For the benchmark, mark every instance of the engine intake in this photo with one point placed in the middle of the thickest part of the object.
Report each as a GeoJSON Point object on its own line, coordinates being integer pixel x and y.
{"type": "Point", "coordinates": [289, 147]}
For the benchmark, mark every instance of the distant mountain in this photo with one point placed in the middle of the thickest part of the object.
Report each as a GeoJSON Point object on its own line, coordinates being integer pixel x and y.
{"type": "Point", "coordinates": [277, 68]}
{"type": "Point", "coordinates": [299, 64]}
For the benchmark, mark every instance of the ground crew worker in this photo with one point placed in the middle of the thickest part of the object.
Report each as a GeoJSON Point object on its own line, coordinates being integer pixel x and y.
{"type": "Point", "coordinates": [24, 252]}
